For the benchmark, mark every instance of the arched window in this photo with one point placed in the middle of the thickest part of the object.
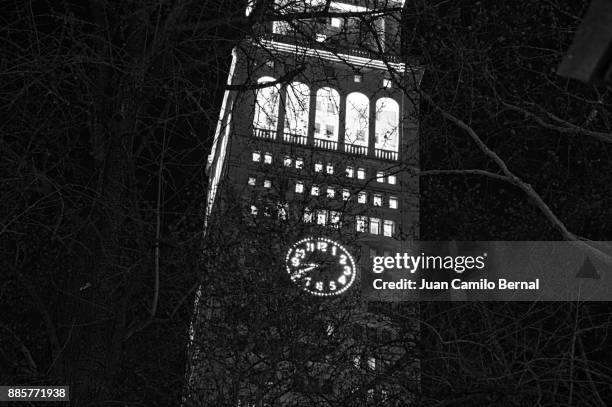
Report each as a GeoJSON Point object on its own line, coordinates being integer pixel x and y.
{"type": "Point", "coordinates": [387, 124]}
{"type": "Point", "coordinates": [266, 105]}
{"type": "Point", "coordinates": [326, 118]}
{"type": "Point", "coordinates": [296, 109]}
{"type": "Point", "coordinates": [357, 119]}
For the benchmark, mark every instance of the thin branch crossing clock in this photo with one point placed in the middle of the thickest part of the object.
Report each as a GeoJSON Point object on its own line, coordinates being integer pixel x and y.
{"type": "Point", "coordinates": [320, 266]}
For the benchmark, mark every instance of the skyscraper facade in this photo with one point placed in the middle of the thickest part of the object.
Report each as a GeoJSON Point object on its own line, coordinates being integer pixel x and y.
{"type": "Point", "coordinates": [317, 143]}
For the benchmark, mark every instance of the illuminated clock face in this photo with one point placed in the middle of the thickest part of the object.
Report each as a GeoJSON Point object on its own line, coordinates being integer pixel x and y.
{"type": "Point", "coordinates": [321, 266]}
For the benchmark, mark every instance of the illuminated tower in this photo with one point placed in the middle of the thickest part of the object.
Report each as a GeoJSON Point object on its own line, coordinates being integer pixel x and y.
{"type": "Point", "coordinates": [317, 136]}
{"type": "Point", "coordinates": [325, 96]}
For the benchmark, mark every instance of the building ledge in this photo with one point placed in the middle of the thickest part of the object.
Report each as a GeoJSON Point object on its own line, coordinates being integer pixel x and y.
{"type": "Point", "coordinates": [309, 48]}
{"type": "Point", "coordinates": [328, 145]}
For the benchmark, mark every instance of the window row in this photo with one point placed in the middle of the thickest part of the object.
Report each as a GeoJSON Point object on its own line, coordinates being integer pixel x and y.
{"type": "Point", "coordinates": [362, 197]}
{"type": "Point", "coordinates": [330, 192]}
{"type": "Point", "coordinates": [370, 362]}
{"type": "Point", "coordinates": [350, 171]}
{"type": "Point", "coordinates": [281, 211]}
{"type": "Point", "coordinates": [326, 217]}
{"type": "Point", "coordinates": [341, 31]}
{"type": "Point", "coordinates": [375, 226]}
{"type": "Point", "coordinates": [253, 182]}
{"type": "Point", "coordinates": [386, 82]}
{"type": "Point", "coordinates": [327, 115]}
{"type": "Point", "coordinates": [322, 217]}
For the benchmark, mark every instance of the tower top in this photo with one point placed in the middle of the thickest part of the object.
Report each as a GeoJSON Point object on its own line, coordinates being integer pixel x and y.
{"type": "Point", "coordinates": [365, 28]}
{"type": "Point", "coordinates": [347, 5]}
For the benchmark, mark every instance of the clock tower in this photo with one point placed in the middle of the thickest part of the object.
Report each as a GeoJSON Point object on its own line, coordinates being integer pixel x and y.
{"type": "Point", "coordinates": [315, 148]}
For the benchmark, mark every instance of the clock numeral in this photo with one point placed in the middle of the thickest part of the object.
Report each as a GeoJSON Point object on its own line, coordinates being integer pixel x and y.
{"type": "Point", "coordinates": [295, 261]}
{"type": "Point", "coordinates": [319, 285]}
{"type": "Point", "coordinates": [334, 250]}
{"type": "Point", "coordinates": [307, 281]}
{"type": "Point", "coordinates": [343, 259]}
{"type": "Point", "coordinates": [342, 280]}
{"type": "Point", "coordinates": [332, 285]}
{"type": "Point", "coordinates": [310, 246]}
{"type": "Point", "coordinates": [322, 246]}
{"type": "Point", "coordinates": [300, 253]}
{"type": "Point", "coordinates": [347, 271]}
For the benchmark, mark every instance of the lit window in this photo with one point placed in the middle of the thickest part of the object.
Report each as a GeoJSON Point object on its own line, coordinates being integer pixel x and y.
{"type": "Point", "coordinates": [330, 168]}
{"type": "Point", "coordinates": [331, 192]}
{"type": "Point", "coordinates": [299, 163]}
{"type": "Point", "coordinates": [357, 120]}
{"type": "Point", "coordinates": [287, 161]}
{"type": "Point", "coordinates": [268, 158]}
{"type": "Point", "coordinates": [267, 183]}
{"type": "Point", "coordinates": [283, 209]}
{"type": "Point", "coordinates": [330, 329]}
{"type": "Point", "coordinates": [297, 105]}
{"type": "Point", "coordinates": [253, 210]}
{"type": "Point", "coordinates": [327, 116]}
{"type": "Point", "coordinates": [336, 22]}
{"type": "Point", "coordinates": [281, 27]}
{"type": "Point", "coordinates": [299, 187]}
{"type": "Point", "coordinates": [380, 176]}
{"type": "Point", "coordinates": [307, 215]}
{"type": "Point", "coordinates": [391, 179]}
{"type": "Point", "coordinates": [349, 172]}
{"type": "Point", "coordinates": [318, 167]}
{"type": "Point", "coordinates": [321, 217]}
{"type": "Point", "coordinates": [314, 190]}
{"type": "Point", "coordinates": [360, 173]}
{"type": "Point", "coordinates": [377, 201]}
{"type": "Point", "coordinates": [388, 228]}
{"type": "Point", "coordinates": [357, 78]}
{"type": "Point", "coordinates": [375, 226]}
{"type": "Point", "coordinates": [371, 363]}
{"type": "Point", "coordinates": [387, 123]}
{"type": "Point", "coordinates": [387, 83]}
{"type": "Point", "coordinates": [252, 181]}
{"type": "Point", "coordinates": [321, 37]}
{"type": "Point", "coordinates": [356, 361]}
{"type": "Point", "coordinates": [362, 198]}
{"type": "Point", "coordinates": [334, 218]}
{"type": "Point", "coordinates": [361, 224]}
{"type": "Point", "coordinates": [384, 396]}
{"type": "Point", "coordinates": [266, 105]}
{"type": "Point", "coordinates": [256, 156]}
{"type": "Point", "coordinates": [270, 63]}
{"type": "Point", "coordinates": [392, 202]}
{"type": "Point", "coordinates": [346, 194]}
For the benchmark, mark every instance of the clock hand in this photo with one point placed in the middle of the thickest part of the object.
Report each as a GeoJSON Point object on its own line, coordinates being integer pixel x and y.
{"type": "Point", "coordinates": [303, 271]}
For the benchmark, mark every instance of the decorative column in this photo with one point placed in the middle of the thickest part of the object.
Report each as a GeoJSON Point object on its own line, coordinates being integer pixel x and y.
{"type": "Point", "coordinates": [341, 121]}
{"type": "Point", "coordinates": [371, 129]}
{"type": "Point", "coordinates": [312, 109]}
{"type": "Point", "coordinates": [280, 125]}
